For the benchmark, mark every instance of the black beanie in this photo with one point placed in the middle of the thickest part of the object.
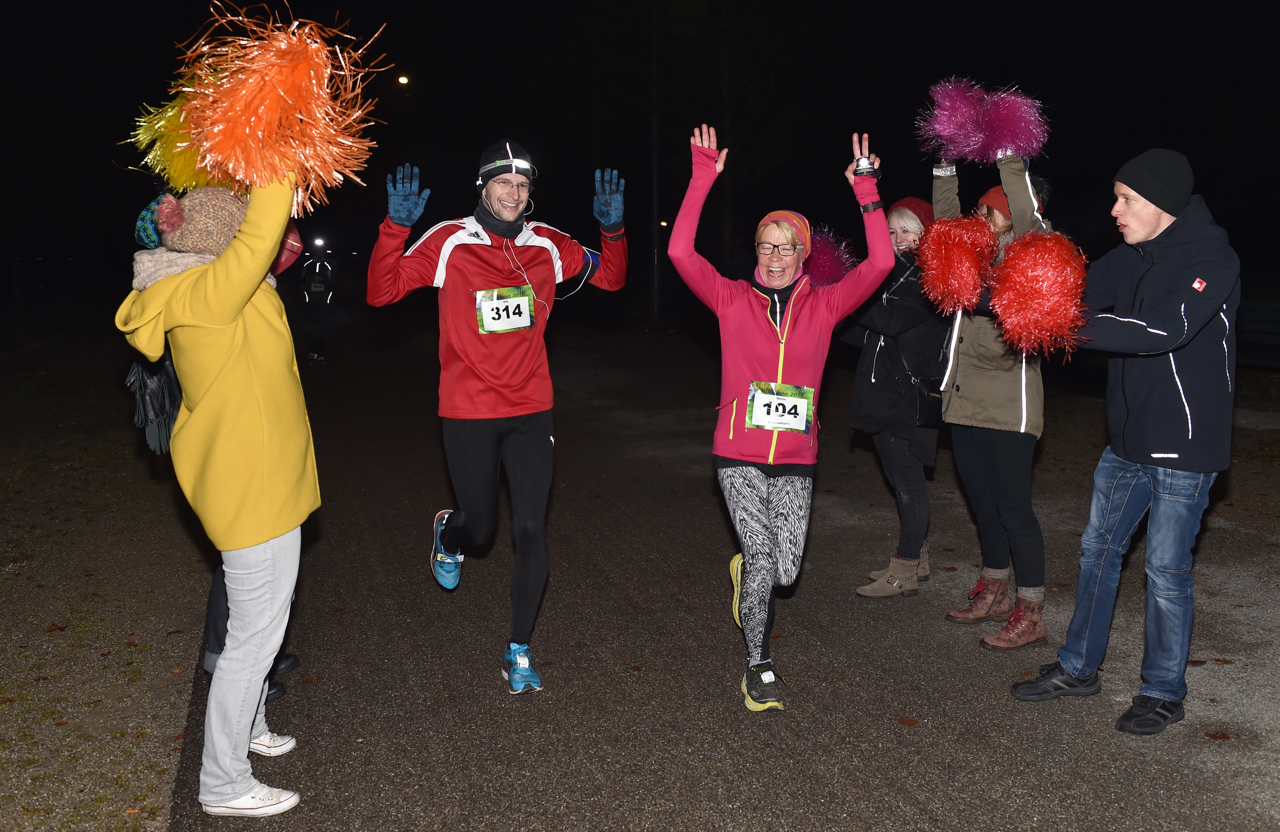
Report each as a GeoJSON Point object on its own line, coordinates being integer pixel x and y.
{"type": "Point", "coordinates": [504, 157]}
{"type": "Point", "coordinates": [1161, 177]}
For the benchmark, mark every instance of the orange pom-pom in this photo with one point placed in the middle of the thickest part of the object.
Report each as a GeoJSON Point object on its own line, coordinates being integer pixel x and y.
{"type": "Point", "coordinates": [277, 99]}
{"type": "Point", "coordinates": [955, 256]}
{"type": "Point", "coordinates": [1038, 293]}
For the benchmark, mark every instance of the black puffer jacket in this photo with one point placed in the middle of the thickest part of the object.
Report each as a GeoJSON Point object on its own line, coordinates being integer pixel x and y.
{"type": "Point", "coordinates": [896, 329]}
{"type": "Point", "coordinates": [1168, 307]}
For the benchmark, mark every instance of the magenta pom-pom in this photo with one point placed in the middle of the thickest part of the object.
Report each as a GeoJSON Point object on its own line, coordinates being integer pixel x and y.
{"type": "Point", "coordinates": [952, 128]}
{"type": "Point", "coordinates": [955, 257]}
{"type": "Point", "coordinates": [830, 257]}
{"type": "Point", "coordinates": [1037, 293]}
{"type": "Point", "coordinates": [967, 122]}
{"type": "Point", "coordinates": [169, 216]}
{"type": "Point", "coordinates": [1012, 123]}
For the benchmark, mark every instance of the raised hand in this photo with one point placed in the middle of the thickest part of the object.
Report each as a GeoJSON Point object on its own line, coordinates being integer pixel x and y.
{"type": "Point", "coordinates": [707, 139]}
{"type": "Point", "coordinates": [861, 150]}
{"type": "Point", "coordinates": [404, 203]}
{"type": "Point", "coordinates": [607, 206]}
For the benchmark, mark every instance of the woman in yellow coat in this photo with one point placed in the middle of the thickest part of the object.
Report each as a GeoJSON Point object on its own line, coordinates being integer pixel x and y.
{"type": "Point", "coordinates": [241, 449]}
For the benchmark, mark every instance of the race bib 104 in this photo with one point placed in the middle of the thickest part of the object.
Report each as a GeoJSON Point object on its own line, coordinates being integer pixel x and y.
{"type": "Point", "coordinates": [775, 406]}
{"type": "Point", "coordinates": [504, 310]}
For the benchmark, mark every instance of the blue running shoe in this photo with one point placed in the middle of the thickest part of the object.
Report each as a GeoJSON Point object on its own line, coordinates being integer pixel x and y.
{"type": "Point", "coordinates": [445, 566]}
{"type": "Point", "coordinates": [517, 669]}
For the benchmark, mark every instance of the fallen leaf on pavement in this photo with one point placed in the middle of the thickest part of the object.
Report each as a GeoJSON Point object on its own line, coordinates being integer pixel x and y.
{"type": "Point", "coordinates": [1215, 735]}
{"type": "Point", "coordinates": [908, 721]}
{"type": "Point", "coordinates": [57, 627]}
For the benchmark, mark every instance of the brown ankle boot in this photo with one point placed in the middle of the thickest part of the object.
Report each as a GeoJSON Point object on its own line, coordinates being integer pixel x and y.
{"type": "Point", "coordinates": [988, 600]}
{"type": "Point", "coordinates": [922, 571]}
{"type": "Point", "coordinates": [899, 579]}
{"type": "Point", "coordinates": [1025, 627]}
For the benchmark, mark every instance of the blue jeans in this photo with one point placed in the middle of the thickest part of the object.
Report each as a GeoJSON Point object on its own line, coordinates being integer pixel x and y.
{"type": "Point", "coordinates": [1123, 492]}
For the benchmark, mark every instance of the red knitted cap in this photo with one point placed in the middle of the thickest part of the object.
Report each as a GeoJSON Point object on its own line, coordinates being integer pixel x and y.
{"type": "Point", "coordinates": [997, 200]}
{"type": "Point", "coordinates": [917, 206]}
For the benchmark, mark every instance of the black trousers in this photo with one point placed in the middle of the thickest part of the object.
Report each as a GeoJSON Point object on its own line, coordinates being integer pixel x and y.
{"type": "Point", "coordinates": [906, 474]}
{"type": "Point", "coordinates": [995, 467]}
{"type": "Point", "coordinates": [476, 449]}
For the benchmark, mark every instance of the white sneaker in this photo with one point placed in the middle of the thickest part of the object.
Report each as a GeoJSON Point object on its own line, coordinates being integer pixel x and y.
{"type": "Point", "coordinates": [272, 745]}
{"type": "Point", "coordinates": [259, 803]}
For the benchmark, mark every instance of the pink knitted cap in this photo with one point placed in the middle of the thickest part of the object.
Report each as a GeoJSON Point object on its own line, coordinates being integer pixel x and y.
{"type": "Point", "coordinates": [793, 219]}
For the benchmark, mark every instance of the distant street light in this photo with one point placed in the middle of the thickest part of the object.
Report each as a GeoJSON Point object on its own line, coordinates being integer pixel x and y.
{"type": "Point", "coordinates": [319, 241]}
{"type": "Point", "coordinates": [403, 79]}
{"type": "Point", "coordinates": [663, 223]}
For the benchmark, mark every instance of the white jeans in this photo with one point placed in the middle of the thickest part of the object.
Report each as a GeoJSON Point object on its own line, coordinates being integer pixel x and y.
{"type": "Point", "coordinates": [260, 581]}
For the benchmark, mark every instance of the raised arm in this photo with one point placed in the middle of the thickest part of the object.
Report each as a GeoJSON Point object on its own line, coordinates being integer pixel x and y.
{"type": "Point", "coordinates": [857, 285]}
{"type": "Point", "coordinates": [221, 291]}
{"type": "Point", "coordinates": [1022, 197]}
{"type": "Point", "coordinates": [608, 269]}
{"type": "Point", "coordinates": [693, 268]}
{"type": "Point", "coordinates": [946, 191]}
{"type": "Point", "coordinates": [391, 274]}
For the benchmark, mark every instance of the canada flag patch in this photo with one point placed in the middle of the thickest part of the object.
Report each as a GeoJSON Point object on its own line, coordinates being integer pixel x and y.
{"type": "Point", "coordinates": [1198, 285]}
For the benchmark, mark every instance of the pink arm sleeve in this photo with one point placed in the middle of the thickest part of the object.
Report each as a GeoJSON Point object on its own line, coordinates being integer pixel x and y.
{"type": "Point", "coordinates": [857, 285]}
{"type": "Point", "coordinates": [692, 267]}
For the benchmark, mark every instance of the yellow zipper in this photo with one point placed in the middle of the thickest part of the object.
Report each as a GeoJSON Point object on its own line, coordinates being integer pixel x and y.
{"type": "Point", "coordinates": [782, 351]}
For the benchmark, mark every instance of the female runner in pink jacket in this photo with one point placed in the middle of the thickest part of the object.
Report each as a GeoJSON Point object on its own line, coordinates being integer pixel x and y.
{"type": "Point", "coordinates": [775, 330]}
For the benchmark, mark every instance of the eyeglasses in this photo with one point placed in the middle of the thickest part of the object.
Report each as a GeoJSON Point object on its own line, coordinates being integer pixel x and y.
{"type": "Point", "coordinates": [507, 184]}
{"type": "Point", "coordinates": [786, 249]}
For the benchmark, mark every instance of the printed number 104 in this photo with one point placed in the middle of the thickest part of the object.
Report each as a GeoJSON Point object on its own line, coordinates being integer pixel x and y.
{"type": "Point", "coordinates": [780, 409]}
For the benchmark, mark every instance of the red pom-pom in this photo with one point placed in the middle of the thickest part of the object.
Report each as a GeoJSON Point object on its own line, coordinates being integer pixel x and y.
{"type": "Point", "coordinates": [954, 256]}
{"type": "Point", "coordinates": [829, 257]}
{"type": "Point", "coordinates": [1038, 293]}
{"type": "Point", "coordinates": [169, 216]}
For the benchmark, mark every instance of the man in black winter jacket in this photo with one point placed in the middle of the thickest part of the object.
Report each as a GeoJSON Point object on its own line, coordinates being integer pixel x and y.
{"type": "Point", "coordinates": [1164, 304]}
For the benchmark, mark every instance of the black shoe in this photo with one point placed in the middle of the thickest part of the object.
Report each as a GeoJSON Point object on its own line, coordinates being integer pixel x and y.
{"type": "Point", "coordinates": [284, 663]}
{"type": "Point", "coordinates": [275, 690]}
{"type": "Point", "coordinates": [1055, 682]}
{"type": "Point", "coordinates": [760, 686]}
{"type": "Point", "coordinates": [1149, 715]}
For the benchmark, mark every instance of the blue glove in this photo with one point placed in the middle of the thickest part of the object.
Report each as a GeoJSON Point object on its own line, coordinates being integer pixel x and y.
{"type": "Point", "coordinates": [607, 205]}
{"type": "Point", "coordinates": [404, 203]}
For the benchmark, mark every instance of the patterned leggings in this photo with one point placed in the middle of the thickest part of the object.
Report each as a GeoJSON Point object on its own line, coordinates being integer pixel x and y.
{"type": "Point", "coordinates": [771, 516]}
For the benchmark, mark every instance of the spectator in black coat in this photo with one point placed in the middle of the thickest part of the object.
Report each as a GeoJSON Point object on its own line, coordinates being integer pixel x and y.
{"type": "Point", "coordinates": [901, 336]}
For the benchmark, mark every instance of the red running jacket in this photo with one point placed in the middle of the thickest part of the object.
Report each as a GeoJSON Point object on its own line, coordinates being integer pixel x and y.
{"type": "Point", "coordinates": [503, 371]}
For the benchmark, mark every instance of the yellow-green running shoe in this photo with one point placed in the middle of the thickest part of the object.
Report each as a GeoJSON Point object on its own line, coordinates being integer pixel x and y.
{"type": "Point", "coordinates": [760, 687]}
{"type": "Point", "coordinates": [735, 572]}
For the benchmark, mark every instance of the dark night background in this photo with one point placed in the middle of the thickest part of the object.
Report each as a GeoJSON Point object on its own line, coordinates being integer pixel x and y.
{"type": "Point", "coordinates": [785, 84]}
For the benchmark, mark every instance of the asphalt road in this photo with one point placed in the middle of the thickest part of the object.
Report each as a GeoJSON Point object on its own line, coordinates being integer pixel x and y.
{"type": "Point", "coordinates": [894, 720]}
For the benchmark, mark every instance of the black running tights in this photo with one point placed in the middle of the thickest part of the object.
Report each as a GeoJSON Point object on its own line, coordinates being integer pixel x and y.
{"type": "Point", "coordinates": [523, 446]}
